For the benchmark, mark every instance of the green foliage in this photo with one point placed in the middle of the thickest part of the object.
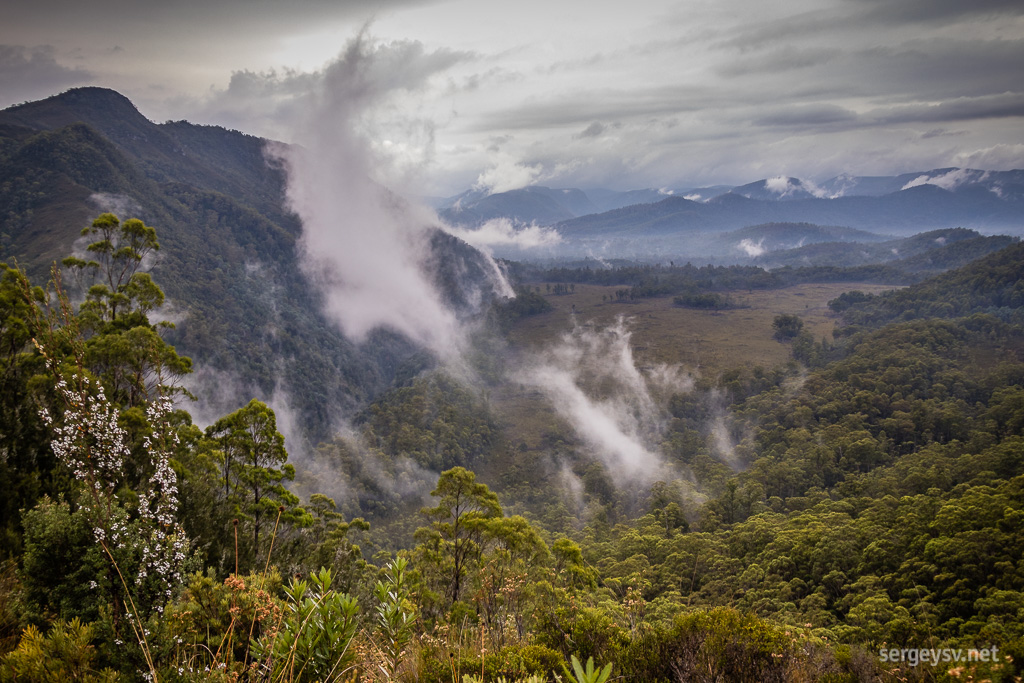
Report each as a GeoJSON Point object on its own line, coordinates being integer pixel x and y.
{"type": "Point", "coordinates": [992, 284]}
{"type": "Point", "coordinates": [395, 618]}
{"type": "Point", "coordinates": [313, 640]}
{"type": "Point", "coordinates": [213, 625]}
{"type": "Point", "coordinates": [434, 420]}
{"type": "Point", "coordinates": [120, 251]}
{"type": "Point", "coordinates": [65, 653]}
{"type": "Point", "coordinates": [460, 530]}
{"type": "Point", "coordinates": [526, 302]}
{"type": "Point", "coordinates": [253, 469]}
{"type": "Point", "coordinates": [588, 674]}
{"type": "Point", "coordinates": [872, 496]}
{"type": "Point", "coordinates": [787, 326]}
{"type": "Point", "coordinates": [62, 563]}
{"type": "Point", "coordinates": [27, 465]}
{"type": "Point", "coordinates": [712, 301]}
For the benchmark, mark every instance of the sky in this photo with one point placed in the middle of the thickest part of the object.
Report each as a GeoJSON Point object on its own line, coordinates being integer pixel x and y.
{"type": "Point", "coordinates": [645, 94]}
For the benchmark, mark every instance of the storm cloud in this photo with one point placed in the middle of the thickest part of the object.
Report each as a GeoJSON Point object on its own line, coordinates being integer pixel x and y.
{"type": "Point", "coordinates": [660, 94]}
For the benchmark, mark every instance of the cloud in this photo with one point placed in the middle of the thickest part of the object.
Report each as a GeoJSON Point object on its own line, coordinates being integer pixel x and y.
{"type": "Point", "coordinates": [959, 109]}
{"type": "Point", "coordinates": [502, 232]}
{"type": "Point", "coordinates": [362, 245]}
{"type": "Point", "coordinates": [709, 94]}
{"type": "Point", "coordinates": [786, 187]}
{"type": "Point", "coordinates": [1000, 157]}
{"type": "Point", "coordinates": [785, 58]}
{"type": "Point", "coordinates": [947, 181]}
{"type": "Point", "coordinates": [780, 185]}
{"type": "Point", "coordinates": [805, 115]}
{"type": "Point", "coordinates": [752, 248]}
{"type": "Point", "coordinates": [507, 173]}
{"type": "Point", "coordinates": [592, 381]}
{"type": "Point", "coordinates": [33, 72]}
{"type": "Point", "coordinates": [940, 11]}
{"type": "Point", "coordinates": [594, 130]}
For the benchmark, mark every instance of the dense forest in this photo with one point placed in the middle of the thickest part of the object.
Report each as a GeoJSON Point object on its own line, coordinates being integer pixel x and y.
{"type": "Point", "coordinates": [829, 519]}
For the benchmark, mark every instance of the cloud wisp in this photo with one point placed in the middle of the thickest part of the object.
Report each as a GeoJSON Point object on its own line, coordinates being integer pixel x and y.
{"type": "Point", "coordinates": [363, 245]}
{"type": "Point", "coordinates": [592, 380]}
{"type": "Point", "coordinates": [503, 232]}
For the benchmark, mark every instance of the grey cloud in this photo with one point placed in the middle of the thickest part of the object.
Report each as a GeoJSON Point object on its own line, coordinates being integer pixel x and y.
{"type": "Point", "coordinates": [939, 68]}
{"type": "Point", "coordinates": [941, 133]}
{"type": "Point", "coordinates": [200, 17]}
{"type": "Point", "coordinates": [592, 131]}
{"type": "Point", "coordinates": [813, 115]}
{"type": "Point", "coordinates": [960, 109]}
{"type": "Point", "coordinates": [35, 71]}
{"type": "Point", "coordinates": [939, 11]}
{"type": "Point", "coordinates": [786, 58]}
{"type": "Point", "coordinates": [573, 109]}
{"type": "Point", "coordinates": [368, 68]}
{"type": "Point", "coordinates": [827, 117]}
{"type": "Point", "coordinates": [747, 38]}
{"type": "Point", "coordinates": [475, 81]}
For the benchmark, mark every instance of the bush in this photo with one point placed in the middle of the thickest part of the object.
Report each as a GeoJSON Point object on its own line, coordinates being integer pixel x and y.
{"type": "Point", "coordinates": [64, 654]}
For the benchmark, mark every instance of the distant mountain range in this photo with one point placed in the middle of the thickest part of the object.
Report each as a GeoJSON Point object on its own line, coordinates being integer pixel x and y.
{"type": "Point", "coordinates": [652, 222]}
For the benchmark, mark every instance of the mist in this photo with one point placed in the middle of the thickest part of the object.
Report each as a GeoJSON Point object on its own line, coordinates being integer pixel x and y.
{"type": "Point", "coordinates": [362, 244]}
{"type": "Point", "coordinates": [592, 380]}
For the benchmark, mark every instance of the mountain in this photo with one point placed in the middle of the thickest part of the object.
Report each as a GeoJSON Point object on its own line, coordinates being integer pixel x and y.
{"type": "Point", "coordinates": [648, 223]}
{"type": "Point", "coordinates": [773, 237]}
{"type": "Point", "coordinates": [228, 262]}
{"type": "Point", "coordinates": [533, 204]}
{"type": "Point", "coordinates": [672, 225]}
{"type": "Point", "coordinates": [931, 251]}
{"type": "Point", "coordinates": [1003, 184]}
{"type": "Point", "coordinates": [780, 188]}
{"type": "Point", "coordinates": [607, 200]}
{"type": "Point", "coordinates": [993, 284]}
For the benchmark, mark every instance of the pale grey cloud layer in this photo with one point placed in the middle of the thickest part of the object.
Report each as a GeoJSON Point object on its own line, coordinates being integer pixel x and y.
{"type": "Point", "coordinates": [648, 94]}
{"type": "Point", "coordinates": [34, 72]}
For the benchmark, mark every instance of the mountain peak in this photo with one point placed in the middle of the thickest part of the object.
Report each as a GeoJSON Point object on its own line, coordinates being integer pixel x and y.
{"type": "Point", "coordinates": [91, 105]}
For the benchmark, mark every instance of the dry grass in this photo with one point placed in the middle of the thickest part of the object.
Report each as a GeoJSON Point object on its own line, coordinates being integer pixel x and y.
{"type": "Point", "coordinates": [707, 341]}
{"type": "Point", "coordinates": [704, 342]}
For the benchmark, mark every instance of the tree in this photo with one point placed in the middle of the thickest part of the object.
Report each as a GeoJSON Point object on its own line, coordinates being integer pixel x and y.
{"type": "Point", "coordinates": [27, 462]}
{"type": "Point", "coordinates": [123, 347]}
{"type": "Point", "coordinates": [253, 467]}
{"type": "Point", "coordinates": [787, 326]}
{"type": "Point", "coordinates": [460, 529]}
{"type": "Point", "coordinates": [120, 251]}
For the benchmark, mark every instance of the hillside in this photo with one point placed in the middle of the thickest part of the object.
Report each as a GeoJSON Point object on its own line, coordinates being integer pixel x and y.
{"type": "Point", "coordinates": [228, 262]}
{"type": "Point", "coordinates": [934, 251]}
{"type": "Point", "coordinates": [993, 284]}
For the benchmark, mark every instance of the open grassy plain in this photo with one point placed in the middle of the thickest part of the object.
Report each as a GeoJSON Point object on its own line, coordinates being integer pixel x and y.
{"type": "Point", "coordinates": [705, 343]}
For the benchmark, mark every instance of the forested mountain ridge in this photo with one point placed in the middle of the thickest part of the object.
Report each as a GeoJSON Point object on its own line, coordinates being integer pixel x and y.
{"type": "Point", "coordinates": [993, 284]}
{"type": "Point", "coordinates": [228, 260]}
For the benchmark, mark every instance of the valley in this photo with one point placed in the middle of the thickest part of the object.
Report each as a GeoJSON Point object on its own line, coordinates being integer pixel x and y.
{"type": "Point", "coordinates": [708, 342]}
{"type": "Point", "coordinates": [368, 442]}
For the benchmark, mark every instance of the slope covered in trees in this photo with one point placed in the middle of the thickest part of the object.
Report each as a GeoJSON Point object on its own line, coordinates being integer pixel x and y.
{"type": "Point", "coordinates": [229, 264]}
{"type": "Point", "coordinates": [870, 501]}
